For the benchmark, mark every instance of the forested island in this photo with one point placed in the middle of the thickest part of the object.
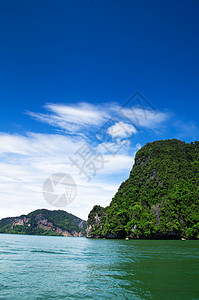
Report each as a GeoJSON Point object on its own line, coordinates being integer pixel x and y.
{"type": "Point", "coordinates": [159, 200]}
{"type": "Point", "coordinates": [45, 222]}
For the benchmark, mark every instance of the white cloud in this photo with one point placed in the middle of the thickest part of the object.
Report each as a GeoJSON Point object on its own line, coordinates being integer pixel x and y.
{"type": "Point", "coordinates": [82, 114]}
{"type": "Point", "coordinates": [13, 144]}
{"type": "Point", "coordinates": [71, 117]}
{"type": "Point", "coordinates": [117, 164]}
{"type": "Point", "coordinates": [142, 117]}
{"type": "Point", "coordinates": [121, 130]}
{"type": "Point", "coordinates": [114, 147]}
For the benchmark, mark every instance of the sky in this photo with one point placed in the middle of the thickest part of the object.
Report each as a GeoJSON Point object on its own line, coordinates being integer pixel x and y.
{"type": "Point", "coordinates": [83, 86]}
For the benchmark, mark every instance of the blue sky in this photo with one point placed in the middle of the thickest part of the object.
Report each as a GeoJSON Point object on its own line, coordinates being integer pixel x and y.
{"type": "Point", "coordinates": [67, 69]}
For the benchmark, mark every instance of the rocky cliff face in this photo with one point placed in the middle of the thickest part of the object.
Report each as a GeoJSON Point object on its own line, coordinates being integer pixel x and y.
{"type": "Point", "coordinates": [160, 199]}
{"type": "Point", "coordinates": [95, 222]}
{"type": "Point", "coordinates": [95, 225]}
{"type": "Point", "coordinates": [45, 222]}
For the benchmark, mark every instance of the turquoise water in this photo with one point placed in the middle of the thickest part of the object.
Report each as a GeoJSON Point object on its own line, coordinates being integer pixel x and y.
{"type": "Point", "coordinates": [36, 267]}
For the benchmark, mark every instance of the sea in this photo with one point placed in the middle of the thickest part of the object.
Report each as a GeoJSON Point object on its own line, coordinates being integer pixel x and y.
{"type": "Point", "coordinates": [45, 267]}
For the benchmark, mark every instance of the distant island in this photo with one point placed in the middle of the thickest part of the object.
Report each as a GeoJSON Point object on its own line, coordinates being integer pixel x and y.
{"type": "Point", "coordinates": [159, 200]}
{"type": "Point", "coordinates": [45, 222]}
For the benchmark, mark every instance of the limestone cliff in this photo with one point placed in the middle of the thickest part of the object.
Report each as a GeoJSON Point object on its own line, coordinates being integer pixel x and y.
{"type": "Point", "coordinates": [160, 199]}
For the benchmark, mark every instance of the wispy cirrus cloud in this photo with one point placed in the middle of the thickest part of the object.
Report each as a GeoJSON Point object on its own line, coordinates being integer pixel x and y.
{"type": "Point", "coordinates": [74, 118]}
{"type": "Point", "coordinates": [71, 118]}
{"type": "Point", "coordinates": [144, 117]}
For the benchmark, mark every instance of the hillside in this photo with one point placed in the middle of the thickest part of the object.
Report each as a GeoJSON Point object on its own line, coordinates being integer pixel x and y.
{"type": "Point", "coordinates": [44, 222]}
{"type": "Point", "coordinates": [160, 199]}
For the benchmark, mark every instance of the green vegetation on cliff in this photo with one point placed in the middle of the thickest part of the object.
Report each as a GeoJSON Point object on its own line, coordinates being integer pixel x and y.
{"type": "Point", "coordinates": [44, 222]}
{"type": "Point", "coordinates": [160, 199]}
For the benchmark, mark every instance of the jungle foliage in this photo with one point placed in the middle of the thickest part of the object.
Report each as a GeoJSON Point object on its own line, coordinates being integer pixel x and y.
{"type": "Point", "coordinates": [58, 218]}
{"type": "Point", "coordinates": [160, 199]}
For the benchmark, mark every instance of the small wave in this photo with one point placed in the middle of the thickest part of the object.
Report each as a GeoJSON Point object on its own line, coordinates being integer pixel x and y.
{"type": "Point", "coordinates": [3, 287]}
{"type": "Point", "coordinates": [48, 252]}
